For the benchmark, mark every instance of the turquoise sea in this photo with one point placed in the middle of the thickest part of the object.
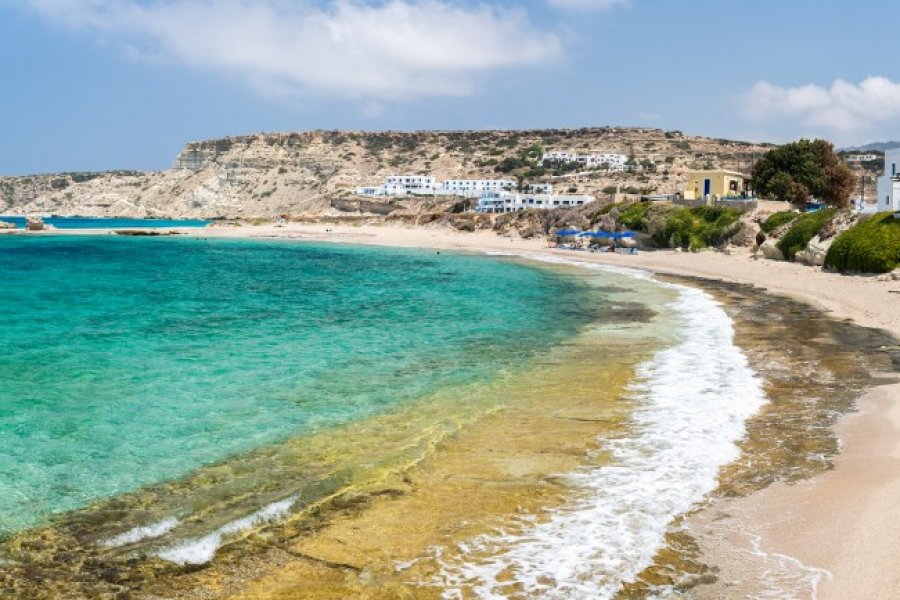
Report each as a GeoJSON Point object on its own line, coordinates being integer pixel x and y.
{"type": "Point", "coordinates": [484, 426]}
{"type": "Point", "coordinates": [107, 223]}
{"type": "Point", "coordinates": [130, 362]}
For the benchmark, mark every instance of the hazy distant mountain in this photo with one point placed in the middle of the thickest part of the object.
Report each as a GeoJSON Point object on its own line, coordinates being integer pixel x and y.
{"type": "Point", "coordinates": [879, 146]}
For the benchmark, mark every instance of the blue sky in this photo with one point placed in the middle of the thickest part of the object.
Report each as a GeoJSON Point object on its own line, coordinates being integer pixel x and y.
{"type": "Point", "coordinates": [107, 84]}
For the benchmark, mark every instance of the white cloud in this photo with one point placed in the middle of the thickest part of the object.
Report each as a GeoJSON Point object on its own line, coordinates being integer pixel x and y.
{"type": "Point", "coordinates": [844, 108]}
{"type": "Point", "coordinates": [588, 5]}
{"type": "Point", "coordinates": [390, 50]}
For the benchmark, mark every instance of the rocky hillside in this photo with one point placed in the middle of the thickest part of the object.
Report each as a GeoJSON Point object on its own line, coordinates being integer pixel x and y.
{"type": "Point", "coordinates": [314, 173]}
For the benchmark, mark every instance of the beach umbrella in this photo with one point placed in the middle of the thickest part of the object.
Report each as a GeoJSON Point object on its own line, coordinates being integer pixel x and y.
{"type": "Point", "coordinates": [567, 232]}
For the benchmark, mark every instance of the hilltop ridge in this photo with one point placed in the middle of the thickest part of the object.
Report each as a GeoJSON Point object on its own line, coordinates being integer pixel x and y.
{"type": "Point", "coordinates": [314, 173]}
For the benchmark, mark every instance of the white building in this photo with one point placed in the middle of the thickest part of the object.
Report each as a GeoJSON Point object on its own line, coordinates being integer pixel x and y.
{"type": "Point", "coordinates": [593, 160]}
{"type": "Point", "coordinates": [401, 185]}
{"type": "Point", "coordinates": [505, 202]}
{"type": "Point", "coordinates": [560, 156]}
{"type": "Point", "coordinates": [538, 188]}
{"type": "Point", "coordinates": [472, 188]}
{"type": "Point", "coordinates": [614, 162]}
{"type": "Point", "coordinates": [889, 183]}
{"type": "Point", "coordinates": [860, 158]}
{"type": "Point", "coordinates": [405, 185]}
{"type": "Point", "coordinates": [377, 190]}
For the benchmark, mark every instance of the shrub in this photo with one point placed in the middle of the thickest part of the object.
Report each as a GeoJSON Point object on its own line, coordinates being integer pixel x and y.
{"type": "Point", "coordinates": [655, 220]}
{"type": "Point", "coordinates": [872, 246]}
{"type": "Point", "coordinates": [778, 219]}
{"type": "Point", "coordinates": [675, 226]}
{"type": "Point", "coordinates": [803, 230]}
{"type": "Point", "coordinates": [606, 208]}
{"type": "Point", "coordinates": [632, 216]}
{"type": "Point", "coordinates": [699, 227]}
{"type": "Point", "coordinates": [610, 190]}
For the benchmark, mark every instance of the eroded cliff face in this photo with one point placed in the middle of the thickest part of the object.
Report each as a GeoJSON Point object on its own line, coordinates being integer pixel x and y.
{"type": "Point", "coordinates": [315, 173]}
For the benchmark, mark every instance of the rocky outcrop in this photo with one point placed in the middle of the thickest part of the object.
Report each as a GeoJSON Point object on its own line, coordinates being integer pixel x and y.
{"type": "Point", "coordinates": [34, 224]}
{"type": "Point", "coordinates": [817, 248]}
{"type": "Point", "coordinates": [770, 250]}
{"type": "Point", "coordinates": [814, 254]}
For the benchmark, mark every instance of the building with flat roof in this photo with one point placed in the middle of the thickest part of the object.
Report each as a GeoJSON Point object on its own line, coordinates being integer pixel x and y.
{"type": "Point", "coordinates": [506, 202]}
{"type": "Point", "coordinates": [889, 183]}
{"type": "Point", "coordinates": [860, 158]}
{"type": "Point", "coordinates": [473, 188]}
{"type": "Point", "coordinates": [709, 185]}
{"type": "Point", "coordinates": [591, 160]}
{"type": "Point", "coordinates": [399, 185]}
{"type": "Point", "coordinates": [419, 185]}
{"type": "Point", "coordinates": [538, 188]}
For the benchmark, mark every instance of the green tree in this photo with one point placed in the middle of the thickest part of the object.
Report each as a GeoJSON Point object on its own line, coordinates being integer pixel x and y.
{"type": "Point", "coordinates": [797, 171]}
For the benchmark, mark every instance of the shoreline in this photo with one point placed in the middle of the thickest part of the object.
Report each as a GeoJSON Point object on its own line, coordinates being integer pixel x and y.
{"type": "Point", "coordinates": [842, 522]}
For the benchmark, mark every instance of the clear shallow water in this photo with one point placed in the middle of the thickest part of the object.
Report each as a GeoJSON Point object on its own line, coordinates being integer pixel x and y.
{"type": "Point", "coordinates": [107, 223]}
{"type": "Point", "coordinates": [128, 362]}
{"type": "Point", "coordinates": [682, 431]}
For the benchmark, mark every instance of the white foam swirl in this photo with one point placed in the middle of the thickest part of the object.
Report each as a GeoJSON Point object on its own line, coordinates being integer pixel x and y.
{"type": "Point", "coordinates": [202, 550]}
{"type": "Point", "coordinates": [693, 400]}
{"type": "Point", "coordinates": [137, 534]}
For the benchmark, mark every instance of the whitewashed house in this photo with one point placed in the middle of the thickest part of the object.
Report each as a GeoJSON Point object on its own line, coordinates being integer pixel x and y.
{"type": "Point", "coordinates": [473, 188]}
{"type": "Point", "coordinates": [860, 158]}
{"type": "Point", "coordinates": [399, 185]}
{"type": "Point", "coordinates": [889, 183]}
{"type": "Point", "coordinates": [611, 161]}
{"type": "Point", "coordinates": [593, 160]}
{"type": "Point", "coordinates": [417, 185]}
{"type": "Point", "coordinates": [538, 188]}
{"type": "Point", "coordinates": [505, 202]}
{"type": "Point", "coordinates": [560, 156]}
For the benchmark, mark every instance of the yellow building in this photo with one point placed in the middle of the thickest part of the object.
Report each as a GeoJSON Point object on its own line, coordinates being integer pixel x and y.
{"type": "Point", "coordinates": [699, 185]}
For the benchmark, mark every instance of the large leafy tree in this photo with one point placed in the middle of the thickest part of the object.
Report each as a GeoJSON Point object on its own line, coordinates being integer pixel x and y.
{"type": "Point", "coordinates": [801, 170]}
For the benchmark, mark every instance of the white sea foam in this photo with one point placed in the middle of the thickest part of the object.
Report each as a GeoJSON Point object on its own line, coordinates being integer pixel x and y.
{"type": "Point", "coordinates": [202, 550]}
{"type": "Point", "coordinates": [693, 399]}
{"type": "Point", "coordinates": [785, 573]}
{"type": "Point", "coordinates": [147, 532]}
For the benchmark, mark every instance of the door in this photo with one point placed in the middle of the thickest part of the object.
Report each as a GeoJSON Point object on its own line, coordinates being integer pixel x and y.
{"type": "Point", "coordinates": [707, 187]}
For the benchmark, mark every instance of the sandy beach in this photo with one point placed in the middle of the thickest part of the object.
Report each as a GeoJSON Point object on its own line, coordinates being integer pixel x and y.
{"type": "Point", "coordinates": [839, 528]}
